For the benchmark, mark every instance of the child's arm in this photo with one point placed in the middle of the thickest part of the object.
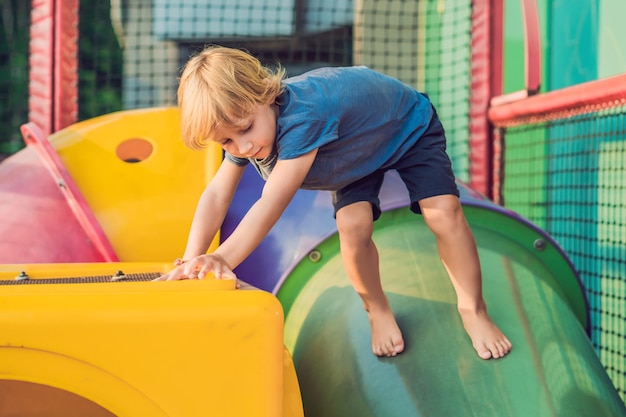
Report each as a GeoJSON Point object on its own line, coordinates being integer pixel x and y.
{"type": "Point", "coordinates": [212, 208]}
{"type": "Point", "coordinates": [287, 176]}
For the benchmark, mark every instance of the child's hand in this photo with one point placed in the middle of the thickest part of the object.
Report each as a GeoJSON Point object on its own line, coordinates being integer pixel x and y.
{"type": "Point", "coordinates": [198, 268]}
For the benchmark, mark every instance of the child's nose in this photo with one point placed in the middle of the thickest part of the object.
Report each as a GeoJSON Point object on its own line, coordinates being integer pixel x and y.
{"type": "Point", "coordinates": [246, 148]}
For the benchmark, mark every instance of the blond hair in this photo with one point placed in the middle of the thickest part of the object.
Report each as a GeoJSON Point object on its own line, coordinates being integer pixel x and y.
{"type": "Point", "coordinates": [220, 86]}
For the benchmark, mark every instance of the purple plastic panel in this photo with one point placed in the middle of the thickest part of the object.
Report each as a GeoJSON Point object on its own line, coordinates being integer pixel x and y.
{"type": "Point", "coordinates": [306, 222]}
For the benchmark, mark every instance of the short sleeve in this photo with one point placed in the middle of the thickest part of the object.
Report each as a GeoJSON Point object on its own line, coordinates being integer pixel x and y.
{"type": "Point", "coordinates": [303, 136]}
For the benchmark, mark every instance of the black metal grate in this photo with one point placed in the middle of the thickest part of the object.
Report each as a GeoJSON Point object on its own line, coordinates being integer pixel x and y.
{"type": "Point", "coordinates": [118, 277]}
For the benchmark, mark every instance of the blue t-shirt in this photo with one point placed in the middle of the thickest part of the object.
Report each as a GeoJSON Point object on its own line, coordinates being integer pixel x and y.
{"type": "Point", "coordinates": [360, 121]}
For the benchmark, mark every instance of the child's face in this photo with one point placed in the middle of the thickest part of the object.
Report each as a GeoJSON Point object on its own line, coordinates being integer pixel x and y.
{"type": "Point", "coordinates": [253, 137]}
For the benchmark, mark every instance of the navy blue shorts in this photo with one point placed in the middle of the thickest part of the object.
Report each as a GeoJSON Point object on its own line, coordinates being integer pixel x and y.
{"type": "Point", "coordinates": [425, 169]}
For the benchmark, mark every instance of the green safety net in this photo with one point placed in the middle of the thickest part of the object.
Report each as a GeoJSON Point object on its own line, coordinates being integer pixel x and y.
{"type": "Point", "coordinates": [130, 53]}
{"type": "Point", "coordinates": [568, 175]}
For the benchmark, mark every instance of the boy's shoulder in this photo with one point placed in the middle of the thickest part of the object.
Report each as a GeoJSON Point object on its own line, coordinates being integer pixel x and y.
{"type": "Point", "coordinates": [330, 73]}
{"type": "Point", "coordinates": [342, 79]}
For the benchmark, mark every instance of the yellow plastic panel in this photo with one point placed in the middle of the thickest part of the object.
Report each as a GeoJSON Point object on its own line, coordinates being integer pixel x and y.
{"type": "Point", "coordinates": [186, 348]}
{"type": "Point", "coordinates": [138, 178]}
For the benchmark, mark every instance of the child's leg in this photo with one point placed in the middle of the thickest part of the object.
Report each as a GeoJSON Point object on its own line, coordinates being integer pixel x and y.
{"type": "Point", "coordinates": [360, 257]}
{"type": "Point", "coordinates": [457, 249]}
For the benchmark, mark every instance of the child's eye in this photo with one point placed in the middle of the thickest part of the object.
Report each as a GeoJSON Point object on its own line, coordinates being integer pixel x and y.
{"type": "Point", "coordinates": [246, 129]}
{"type": "Point", "coordinates": [225, 142]}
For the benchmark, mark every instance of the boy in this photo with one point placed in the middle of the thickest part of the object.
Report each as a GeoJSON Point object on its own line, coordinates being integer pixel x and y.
{"type": "Point", "coordinates": [336, 129]}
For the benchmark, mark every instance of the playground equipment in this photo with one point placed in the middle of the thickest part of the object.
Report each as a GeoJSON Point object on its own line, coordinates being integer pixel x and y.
{"type": "Point", "coordinates": [118, 175]}
{"type": "Point", "coordinates": [192, 347]}
{"type": "Point", "coordinates": [101, 346]}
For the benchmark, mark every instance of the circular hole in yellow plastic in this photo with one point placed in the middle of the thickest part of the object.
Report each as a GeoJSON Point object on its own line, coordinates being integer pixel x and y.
{"type": "Point", "coordinates": [26, 399]}
{"type": "Point", "coordinates": [134, 150]}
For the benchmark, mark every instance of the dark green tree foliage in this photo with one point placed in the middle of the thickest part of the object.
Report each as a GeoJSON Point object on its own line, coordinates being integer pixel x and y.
{"type": "Point", "coordinates": [100, 61]}
{"type": "Point", "coordinates": [99, 72]}
{"type": "Point", "coordinates": [14, 33]}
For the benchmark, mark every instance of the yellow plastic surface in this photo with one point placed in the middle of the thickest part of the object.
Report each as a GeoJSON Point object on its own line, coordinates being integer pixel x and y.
{"type": "Point", "coordinates": [186, 348]}
{"type": "Point", "coordinates": [139, 179]}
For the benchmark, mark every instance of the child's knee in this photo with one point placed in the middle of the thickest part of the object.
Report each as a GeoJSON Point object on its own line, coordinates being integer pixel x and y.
{"type": "Point", "coordinates": [355, 221]}
{"type": "Point", "coordinates": [443, 214]}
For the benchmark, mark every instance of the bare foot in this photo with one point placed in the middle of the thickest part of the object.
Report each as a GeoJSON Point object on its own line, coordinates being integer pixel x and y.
{"type": "Point", "coordinates": [386, 335]}
{"type": "Point", "coordinates": [487, 338]}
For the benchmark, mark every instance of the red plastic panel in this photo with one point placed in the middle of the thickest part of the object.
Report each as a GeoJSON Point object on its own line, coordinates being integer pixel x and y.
{"type": "Point", "coordinates": [532, 46]}
{"type": "Point", "coordinates": [581, 98]}
{"type": "Point", "coordinates": [40, 102]}
{"type": "Point", "coordinates": [486, 81]}
{"type": "Point", "coordinates": [87, 220]}
{"type": "Point", "coordinates": [37, 224]}
{"type": "Point", "coordinates": [65, 111]}
{"type": "Point", "coordinates": [53, 88]}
